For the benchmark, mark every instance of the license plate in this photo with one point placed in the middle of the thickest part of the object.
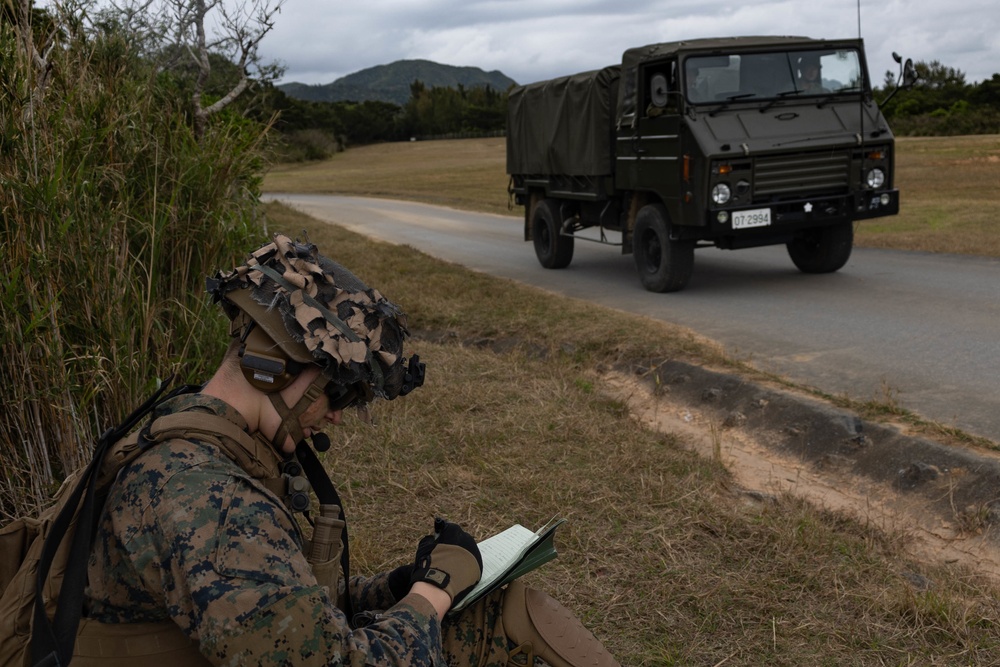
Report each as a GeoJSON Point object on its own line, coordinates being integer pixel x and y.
{"type": "Point", "coordinates": [758, 217]}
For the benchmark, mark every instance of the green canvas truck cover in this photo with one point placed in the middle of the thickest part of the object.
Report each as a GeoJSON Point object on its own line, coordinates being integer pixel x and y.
{"type": "Point", "coordinates": [563, 126]}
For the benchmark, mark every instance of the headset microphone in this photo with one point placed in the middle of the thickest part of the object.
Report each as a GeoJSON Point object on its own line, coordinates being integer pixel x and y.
{"type": "Point", "coordinates": [320, 442]}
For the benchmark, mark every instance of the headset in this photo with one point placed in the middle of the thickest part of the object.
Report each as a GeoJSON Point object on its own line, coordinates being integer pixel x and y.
{"type": "Point", "coordinates": [264, 365]}
{"type": "Point", "coordinates": [267, 368]}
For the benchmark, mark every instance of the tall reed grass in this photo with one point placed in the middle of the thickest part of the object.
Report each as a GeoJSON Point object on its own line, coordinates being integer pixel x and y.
{"type": "Point", "coordinates": [111, 216]}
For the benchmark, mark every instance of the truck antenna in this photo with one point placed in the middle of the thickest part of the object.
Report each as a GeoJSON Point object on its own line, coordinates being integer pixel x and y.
{"type": "Point", "coordinates": [861, 93]}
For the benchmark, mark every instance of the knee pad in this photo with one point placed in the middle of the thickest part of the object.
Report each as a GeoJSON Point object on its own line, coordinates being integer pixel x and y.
{"type": "Point", "coordinates": [540, 627]}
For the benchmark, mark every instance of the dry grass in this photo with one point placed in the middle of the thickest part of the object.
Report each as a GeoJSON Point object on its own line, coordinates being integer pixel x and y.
{"type": "Point", "coordinates": [950, 197]}
{"type": "Point", "coordinates": [665, 559]}
{"type": "Point", "coordinates": [466, 173]}
{"type": "Point", "coordinates": [949, 186]}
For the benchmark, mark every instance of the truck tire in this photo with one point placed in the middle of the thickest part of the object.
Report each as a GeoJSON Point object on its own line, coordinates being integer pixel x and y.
{"type": "Point", "coordinates": [823, 250]}
{"type": "Point", "coordinates": [664, 265]}
{"type": "Point", "coordinates": [554, 251]}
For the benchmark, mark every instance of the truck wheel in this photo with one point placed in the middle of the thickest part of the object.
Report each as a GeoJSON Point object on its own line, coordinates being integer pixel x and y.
{"type": "Point", "coordinates": [664, 265]}
{"type": "Point", "coordinates": [553, 250]}
{"type": "Point", "coordinates": [823, 250]}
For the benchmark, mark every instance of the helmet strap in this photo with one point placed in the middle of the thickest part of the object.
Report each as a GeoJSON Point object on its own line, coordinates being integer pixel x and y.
{"type": "Point", "coordinates": [290, 424]}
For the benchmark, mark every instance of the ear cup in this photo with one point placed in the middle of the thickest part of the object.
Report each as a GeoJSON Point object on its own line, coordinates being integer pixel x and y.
{"type": "Point", "coordinates": [265, 366]}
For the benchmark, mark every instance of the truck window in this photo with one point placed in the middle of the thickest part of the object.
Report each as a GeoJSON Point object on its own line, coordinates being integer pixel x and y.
{"type": "Point", "coordinates": [839, 71]}
{"type": "Point", "coordinates": [770, 75]}
{"type": "Point", "coordinates": [661, 89]}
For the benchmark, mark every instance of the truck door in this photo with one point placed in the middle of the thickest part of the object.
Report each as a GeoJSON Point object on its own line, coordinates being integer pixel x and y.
{"type": "Point", "coordinates": [656, 141]}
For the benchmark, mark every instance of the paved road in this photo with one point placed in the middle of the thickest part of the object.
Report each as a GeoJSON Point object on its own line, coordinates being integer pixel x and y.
{"type": "Point", "coordinates": [926, 326]}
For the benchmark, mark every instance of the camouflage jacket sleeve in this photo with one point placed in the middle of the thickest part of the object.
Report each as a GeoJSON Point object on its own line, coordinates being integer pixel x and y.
{"type": "Point", "coordinates": [371, 594]}
{"type": "Point", "coordinates": [187, 535]}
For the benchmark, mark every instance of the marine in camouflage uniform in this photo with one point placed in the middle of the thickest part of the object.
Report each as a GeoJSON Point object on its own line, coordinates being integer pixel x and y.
{"type": "Point", "coordinates": [198, 557]}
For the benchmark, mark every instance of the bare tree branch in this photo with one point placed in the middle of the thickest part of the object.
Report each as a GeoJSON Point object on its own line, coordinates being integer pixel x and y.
{"type": "Point", "coordinates": [182, 34]}
{"type": "Point", "coordinates": [37, 52]}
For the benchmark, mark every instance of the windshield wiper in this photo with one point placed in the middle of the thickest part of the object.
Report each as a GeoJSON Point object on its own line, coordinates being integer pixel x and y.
{"type": "Point", "coordinates": [778, 98]}
{"type": "Point", "coordinates": [729, 100]}
{"type": "Point", "coordinates": [835, 94]}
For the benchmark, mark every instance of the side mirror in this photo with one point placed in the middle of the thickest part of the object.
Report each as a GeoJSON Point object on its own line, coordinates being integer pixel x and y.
{"type": "Point", "coordinates": [909, 74]}
{"type": "Point", "coordinates": [658, 90]}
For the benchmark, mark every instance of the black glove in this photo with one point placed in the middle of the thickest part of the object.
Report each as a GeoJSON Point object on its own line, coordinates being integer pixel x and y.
{"type": "Point", "coordinates": [449, 559]}
{"type": "Point", "coordinates": [399, 581]}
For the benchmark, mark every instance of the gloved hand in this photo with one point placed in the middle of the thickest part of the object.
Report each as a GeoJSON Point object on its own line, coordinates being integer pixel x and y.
{"type": "Point", "coordinates": [448, 559]}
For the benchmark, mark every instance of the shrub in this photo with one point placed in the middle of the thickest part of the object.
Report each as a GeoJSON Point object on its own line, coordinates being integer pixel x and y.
{"type": "Point", "coordinates": [111, 216]}
{"type": "Point", "coordinates": [304, 146]}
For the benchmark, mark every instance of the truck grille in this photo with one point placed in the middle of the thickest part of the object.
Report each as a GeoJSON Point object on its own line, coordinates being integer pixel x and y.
{"type": "Point", "coordinates": [801, 174]}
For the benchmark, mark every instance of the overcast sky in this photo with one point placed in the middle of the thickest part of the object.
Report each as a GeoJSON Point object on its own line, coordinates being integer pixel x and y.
{"type": "Point", "coordinates": [319, 41]}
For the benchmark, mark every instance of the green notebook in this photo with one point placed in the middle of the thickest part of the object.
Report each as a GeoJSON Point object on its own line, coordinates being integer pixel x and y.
{"type": "Point", "coordinates": [511, 554]}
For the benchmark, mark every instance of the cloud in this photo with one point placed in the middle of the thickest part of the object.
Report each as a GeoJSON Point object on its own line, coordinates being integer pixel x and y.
{"type": "Point", "coordinates": [529, 40]}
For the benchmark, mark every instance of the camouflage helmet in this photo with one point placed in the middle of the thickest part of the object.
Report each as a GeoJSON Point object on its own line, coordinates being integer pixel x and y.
{"type": "Point", "coordinates": [317, 312]}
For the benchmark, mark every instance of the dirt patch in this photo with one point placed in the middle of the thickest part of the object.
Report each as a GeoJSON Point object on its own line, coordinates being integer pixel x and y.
{"type": "Point", "coordinates": [946, 500]}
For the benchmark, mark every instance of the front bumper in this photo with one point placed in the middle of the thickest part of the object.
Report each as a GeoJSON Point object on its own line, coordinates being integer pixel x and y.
{"type": "Point", "coordinates": [789, 218]}
{"type": "Point", "coordinates": [813, 212]}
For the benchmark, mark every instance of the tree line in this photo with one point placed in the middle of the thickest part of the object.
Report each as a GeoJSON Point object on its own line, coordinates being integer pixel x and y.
{"type": "Point", "coordinates": [313, 130]}
{"type": "Point", "coordinates": [942, 103]}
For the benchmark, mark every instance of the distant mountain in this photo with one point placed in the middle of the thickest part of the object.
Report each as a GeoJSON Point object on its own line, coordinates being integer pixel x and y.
{"type": "Point", "coordinates": [391, 83]}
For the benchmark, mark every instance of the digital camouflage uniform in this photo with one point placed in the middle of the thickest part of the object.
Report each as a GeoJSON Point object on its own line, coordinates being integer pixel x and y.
{"type": "Point", "coordinates": [188, 535]}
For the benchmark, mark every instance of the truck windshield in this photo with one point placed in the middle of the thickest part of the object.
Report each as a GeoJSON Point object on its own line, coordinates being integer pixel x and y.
{"type": "Point", "coordinates": [768, 76]}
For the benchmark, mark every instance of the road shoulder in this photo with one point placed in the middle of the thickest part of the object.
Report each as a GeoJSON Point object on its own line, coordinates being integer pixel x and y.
{"type": "Point", "coordinates": [775, 441]}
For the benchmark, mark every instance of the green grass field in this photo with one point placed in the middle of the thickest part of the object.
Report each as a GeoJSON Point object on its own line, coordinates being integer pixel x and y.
{"type": "Point", "coordinates": [665, 557]}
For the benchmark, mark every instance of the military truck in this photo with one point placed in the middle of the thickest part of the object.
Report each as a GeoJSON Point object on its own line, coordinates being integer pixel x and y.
{"type": "Point", "coordinates": [729, 142]}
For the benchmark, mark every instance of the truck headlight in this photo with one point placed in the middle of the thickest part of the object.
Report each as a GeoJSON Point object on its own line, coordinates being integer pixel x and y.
{"type": "Point", "coordinates": [721, 194]}
{"type": "Point", "coordinates": [875, 179]}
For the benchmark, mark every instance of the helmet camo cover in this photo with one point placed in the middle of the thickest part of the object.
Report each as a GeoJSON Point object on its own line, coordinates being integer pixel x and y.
{"type": "Point", "coordinates": [318, 312]}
